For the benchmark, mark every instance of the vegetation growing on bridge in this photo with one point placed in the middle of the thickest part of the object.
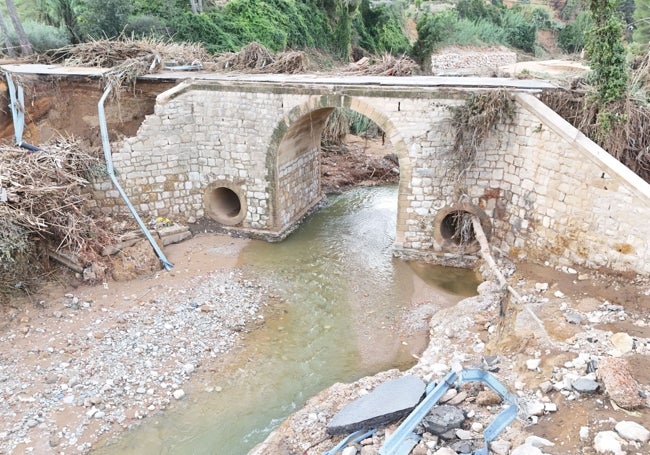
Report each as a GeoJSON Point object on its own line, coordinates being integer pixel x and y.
{"type": "Point", "coordinates": [474, 121]}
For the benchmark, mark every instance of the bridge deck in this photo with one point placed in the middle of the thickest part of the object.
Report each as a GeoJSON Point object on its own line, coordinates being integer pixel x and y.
{"type": "Point", "coordinates": [318, 79]}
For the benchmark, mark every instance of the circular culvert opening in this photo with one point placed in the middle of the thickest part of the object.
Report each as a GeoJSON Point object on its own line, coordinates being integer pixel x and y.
{"type": "Point", "coordinates": [453, 230]}
{"type": "Point", "coordinates": [224, 205]}
{"type": "Point", "coordinates": [456, 227]}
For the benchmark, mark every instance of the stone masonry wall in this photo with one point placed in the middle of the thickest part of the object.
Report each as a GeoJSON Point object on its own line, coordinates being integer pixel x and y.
{"type": "Point", "coordinates": [298, 185]}
{"type": "Point", "coordinates": [466, 62]}
{"type": "Point", "coordinates": [545, 191]}
{"type": "Point", "coordinates": [553, 195]}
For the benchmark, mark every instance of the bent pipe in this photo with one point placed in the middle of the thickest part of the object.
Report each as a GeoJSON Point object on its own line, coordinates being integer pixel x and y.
{"type": "Point", "coordinates": [103, 128]}
{"type": "Point", "coordinates": [17, 105]}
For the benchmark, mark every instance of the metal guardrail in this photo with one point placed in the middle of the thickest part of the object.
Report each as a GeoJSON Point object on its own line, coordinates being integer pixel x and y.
{"type": "Point", "coordinates": [103, 128]}
{"type": "Point", "coordinates": [394, 444]}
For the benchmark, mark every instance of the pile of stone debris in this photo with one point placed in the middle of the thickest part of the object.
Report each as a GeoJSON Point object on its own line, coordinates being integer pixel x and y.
{"type": "Point", "coordinates": [576, 383]}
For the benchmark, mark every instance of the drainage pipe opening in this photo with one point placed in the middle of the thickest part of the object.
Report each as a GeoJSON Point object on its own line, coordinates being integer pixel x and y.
{"type": "Point", "coordinates": [224, 205]}
{"type": "Point", "coordinates": [457, 227]}
{"type": "Point", "coordinates": [453, 230]}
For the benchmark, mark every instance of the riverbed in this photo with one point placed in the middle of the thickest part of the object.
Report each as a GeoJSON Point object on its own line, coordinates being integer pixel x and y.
{"type": "Point", "coordinates": [346, 309]}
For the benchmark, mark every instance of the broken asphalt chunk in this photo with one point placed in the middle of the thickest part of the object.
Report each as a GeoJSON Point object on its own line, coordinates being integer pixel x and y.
{"type": "Point", "coordinates": [388, 402]}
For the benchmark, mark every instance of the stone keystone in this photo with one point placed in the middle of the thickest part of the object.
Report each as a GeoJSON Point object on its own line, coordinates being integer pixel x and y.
{"type": "Point", "coordinates": [387, 403]}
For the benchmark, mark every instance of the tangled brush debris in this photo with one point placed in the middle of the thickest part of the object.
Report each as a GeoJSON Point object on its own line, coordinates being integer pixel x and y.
{"type": "Point", "coordinates": [473, 122]}
{"type": "Point", "coordinates": [42, 202]}
{"type": "Point", "coordinates": [627, 139]}
{"type": "Point", "coordinates": [256, 58]}
{"type": "Point", "coordinates": [388, 66]}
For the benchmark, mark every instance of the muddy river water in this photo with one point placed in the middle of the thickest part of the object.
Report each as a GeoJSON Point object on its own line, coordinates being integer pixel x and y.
{"type": "Point", "coordinates": [347, 309]}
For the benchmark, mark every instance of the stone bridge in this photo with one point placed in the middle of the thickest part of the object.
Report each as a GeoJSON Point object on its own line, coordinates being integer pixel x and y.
{"type": "Point", "coordinates": [244, 151]}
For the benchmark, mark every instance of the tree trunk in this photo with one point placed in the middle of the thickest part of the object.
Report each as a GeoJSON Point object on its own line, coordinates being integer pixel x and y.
{"type": "Point", "coordinates": [5, 36]}
{"type": "Point", "coordinates": [200, 5]}
{"type": "Point", "coordinates": [25, 46]}
{"type": "Point", "coordinates": [193, 5]}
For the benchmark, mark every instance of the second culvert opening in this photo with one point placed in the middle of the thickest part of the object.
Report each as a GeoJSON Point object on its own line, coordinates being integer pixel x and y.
{"type": "Point", "coordinates": [456, 227]}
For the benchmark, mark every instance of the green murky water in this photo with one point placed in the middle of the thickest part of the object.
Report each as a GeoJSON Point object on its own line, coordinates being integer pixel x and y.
{"type": "Point", "coordinates": [343, 303]}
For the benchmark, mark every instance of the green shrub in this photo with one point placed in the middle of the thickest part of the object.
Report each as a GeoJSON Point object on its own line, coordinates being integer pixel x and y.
{"type": "Point", "coordinates": [475, 33]}
{"type": "Point", "coordinates": [277, 24]}
{"type": "Point", "coordinates": [146, 25]}
{"type": "Point", "coordinates": [606, 51]}
{"type": "Point", "coordinates": [42, 37]}
{"type": "Point", "coordinates": [572, 37]}
{"type": "Point", "coordinates": [379, 28]}
{"type": "Point", "coordinates": [476, 10]}
{"type": "Point", "coordinates": [521, 33]}
{"type": "Point", "coordinates": [433, 31]}
{"type": "Point", "coordinates": [204, 29]}
{"type": "Point", "coordinates": [104, 18]}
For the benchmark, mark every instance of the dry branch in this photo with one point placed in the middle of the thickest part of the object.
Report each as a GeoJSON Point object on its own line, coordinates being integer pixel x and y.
{"type": "Point", "coordinates": [487, 257]}
{"type": "Point", "coordinates": [388, 66]}
{"type": "Point", "coordinates": [43, 196]}
{"type": "Point", "coordinates": [255, 58]}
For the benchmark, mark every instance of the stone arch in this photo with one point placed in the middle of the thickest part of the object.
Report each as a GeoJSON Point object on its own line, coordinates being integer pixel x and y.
{"type": "Point", "coordinates": [298, 135]}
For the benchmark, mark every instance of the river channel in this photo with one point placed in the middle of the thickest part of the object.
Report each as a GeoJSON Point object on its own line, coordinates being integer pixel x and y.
{"type": "Point", "coordinates": [347, 309]}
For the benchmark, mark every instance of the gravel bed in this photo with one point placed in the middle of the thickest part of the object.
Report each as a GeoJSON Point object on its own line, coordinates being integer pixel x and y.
{"type": "Point", "coordinates": [84, 367]}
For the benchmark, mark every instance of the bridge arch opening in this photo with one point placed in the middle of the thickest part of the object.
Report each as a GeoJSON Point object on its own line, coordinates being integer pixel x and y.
{"type": "Point", "coordinates": [295, 161]}
{"type": "Point", "coordinates": [224, 203]}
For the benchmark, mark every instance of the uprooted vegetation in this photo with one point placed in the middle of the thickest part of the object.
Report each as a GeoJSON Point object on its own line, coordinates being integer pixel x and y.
{"type": "Point", "coordinates": [621, 127]}
{"type": "Point", "coordinates": [42, 207]}
{"type": "Point", "coordinates": [130, 58]}
{"type": "Point", "coordinates": [473, 121]}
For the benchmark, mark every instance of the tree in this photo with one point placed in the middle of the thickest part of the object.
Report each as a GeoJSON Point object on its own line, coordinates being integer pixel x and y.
{"type": "Point", "coordinates": [5, 36]}
{"type": "Point", "coordinates": [25, 46]}
{"type": "Point", "coordinates": [642, 23]}
{"type": "Point", "coordinates": [61, 13]}
{"type": "Point", "coordinates": [606, 51]}
{"type": "Point", "coordinates": [197, 6]}
{"type": "Point", "coordinates": [104, 18]}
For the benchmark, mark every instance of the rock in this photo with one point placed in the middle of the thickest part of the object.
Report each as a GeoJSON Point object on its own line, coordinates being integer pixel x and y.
{"type": "Point", "coordinates": [533, 364]}
{"type": "Point", "coordinates": [550, 407]}
{"type": "Point", "coordinates": [488, 398]}
{"type": "Point", "coordinates": [526, 449]}
{"type": "Point", "coordinates": [584, 433]}
{"type": "Point", "coordinates": [500, 447]}
{"type": "Point", "coordinates": [445, 451]}
{"type": "Point", "coordinates": [368, 450]}
{"type": "Point", "coordinates": [477, 427]}
{"type": "Point", "coordinates": [559, 294]}
{"type": "Point", "coordinates": [178, 394]}
{"type": "Point", "coordinates": [609, 442]}
{"type": "Point", "coordinates": [535, 408]}
{"type": "Point", "coordinates": [448, 395]}
{"type": "Point", "coordinates": [442, 419]}
{"type": "Point", "coordinates": [488, 287]}
{"type": "Point", "coordinates": [464, 434]}
{"type": "Point", "coordinates": [419, 449]}
{"type": "Point", "coordinates": [350, 450]}
{"type": "Point", "coordinates": [458, 399]}
{"type": "Point", "coordinates": [461, 447]}
{"type": "Point", "coordinates": [546, 386]}
{"type": "Point", "coordinates": [623, 342]}
{"type": "Point", "coordinates": [619, 383]}
{"type": "Point", "coordinates": [585, 385]}
{"type": "Point", "coordinates": [536, 441]}
{"type": "Point", "coordinates": [388, 402]}
{"type": "Point", "coordinates": [541, 287]}
{"type": "Point", "coordinates": [573, 317]}
{"type": "Point", "coordinates": [632, 431]}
